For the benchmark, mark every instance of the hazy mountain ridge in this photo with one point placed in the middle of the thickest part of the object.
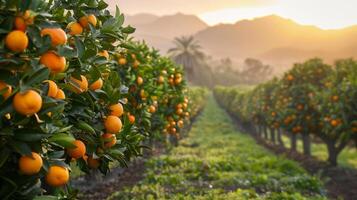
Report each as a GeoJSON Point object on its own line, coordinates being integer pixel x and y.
{"type": "Point", "coordinates": [271, 38]}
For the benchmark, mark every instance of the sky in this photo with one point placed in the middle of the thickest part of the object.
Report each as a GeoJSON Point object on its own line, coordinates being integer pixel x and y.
{"type": "Point", "coordinates": [326, 14]}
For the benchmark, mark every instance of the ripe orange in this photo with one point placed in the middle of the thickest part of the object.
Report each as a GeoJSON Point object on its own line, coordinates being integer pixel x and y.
{"type": "Point", "coordinates": [300, 107]}
{"type": "Point", "coordinates": [131, 119]}
{"type": "Point", "coordinates": [179, 111]}
{"type": "Point", "coordinates": [139, 80]}
{"type": "Point", "coordinates": [52, 89]}
{"type": "Point", "coordinates": [27, 103]}
{"type": "Point", "coordinates": [171, 81]}
{"type": "Point", "coordinates": [290, 77]}
{"type": "Point", "coordinates": [30, 165]}
{"type": "Point", "coordinates": [109, 140]}
{"type": "Point", "coordinates": [160, 79]}
{"type": "Point", "coordinates": [8, 92]}
{"type": "Point", "coordinates": [74, 28]}
{"type": "Point", "coordinates": [180, 123]}
{"type": "Point", "coordinates": [104, 53]}
{"type": "Point", "coordinates": [93, 163]}
{"type": "Point", "coordinates": [178, 106]}
{"type": "Point", "coordinates": [178, 80]}
{"type": "Point", "coordinates": [136, 64]}
{"type": "Point", "coordinates": [273, 114]}
{"type": "Point", "coordinates": [88, 19]}
{"type": "Point", "coordinates": [116, 109]}
{"type": "Point", "coordinates": [57, 176]}
{"type": "Point", "coordinates": [55, 63]}
{"type": "Point", "coordinates": [16, 41]}
{"type": "Point", "coordinates": [335, 122]}
{"type": "Point", "coordinates": [112, 124]}
{"type": "Point", "coordinates": [335, 98]}
{"type": "Point", "coordinates": [173, 130]}
{"type": "Point", "coordinates": [122, 61]}
{"type": "Point", "coordinates": [77, 152]}
{"type": "Point", "coordinates": [152, 109]}
{"type": "Point", "coordinates": [79, 86]}
{"type": "Point", "coordinates": [97, 85]}
{"type": "Point", "coordinates": [29, 19]}
{"type": "Point", "coordinates": [60, 94]}
{"type": "Point", "coordinates": [184, 106]}
{"type": "Point", "coordinates": [20, 24]}
{"type": "Point", "coordinates": [58, 36]}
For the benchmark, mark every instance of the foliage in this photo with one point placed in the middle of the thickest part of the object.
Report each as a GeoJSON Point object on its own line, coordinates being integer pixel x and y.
{"type": "Point", "coordinates": [217, 162]}
{"type": "Point", "coordinates": [95, 47]}
{"type": "Point", "coordinates": [313, 99]}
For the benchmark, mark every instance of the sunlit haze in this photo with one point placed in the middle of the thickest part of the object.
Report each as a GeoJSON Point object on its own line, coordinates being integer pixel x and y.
{"type": "Point", "coordinates": [327, 14]}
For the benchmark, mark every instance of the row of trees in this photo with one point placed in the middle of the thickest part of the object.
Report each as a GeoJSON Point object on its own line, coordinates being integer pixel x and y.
{"type": "Point", "coordinates": [312, 100]}
{"type": "Point", "coordinates": [201, 70]}
{"type": "Point", "coordinates": [75, 88]}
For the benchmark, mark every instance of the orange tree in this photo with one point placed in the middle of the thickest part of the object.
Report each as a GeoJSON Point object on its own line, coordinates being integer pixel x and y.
{"type": "Point", "coordinates": [338, 108]}
{"type": "Point", "coordinates": [75, 88]}
{"type": "Point", "coordinates": [312, 99]}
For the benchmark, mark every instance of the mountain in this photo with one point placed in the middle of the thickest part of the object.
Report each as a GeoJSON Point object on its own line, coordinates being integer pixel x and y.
{"type": "Point", "coordinates": [160, 31]}
{"type": "Point", "coordinates": [275, 40]}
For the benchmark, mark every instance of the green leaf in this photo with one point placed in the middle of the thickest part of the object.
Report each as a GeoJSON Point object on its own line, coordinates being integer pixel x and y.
{"type": "Point", "coordinates": [63, 140]}
{"type": "Point", "coordinates": [20, 147]}
{"type": "Point", "coordinates": [128, 30]}
{"type": "Point", "coordinates": [4, 154]}
{"type": "Point", "coordinates": [46, 197]}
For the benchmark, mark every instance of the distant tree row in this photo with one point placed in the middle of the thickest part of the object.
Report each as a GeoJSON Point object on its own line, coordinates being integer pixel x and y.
{"type": "Point", "coordinates": [200, 70]}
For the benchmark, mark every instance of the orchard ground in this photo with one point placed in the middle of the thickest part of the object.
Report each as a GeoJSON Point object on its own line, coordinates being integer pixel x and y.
{"type": "Point", "coordinates": [215, 161]}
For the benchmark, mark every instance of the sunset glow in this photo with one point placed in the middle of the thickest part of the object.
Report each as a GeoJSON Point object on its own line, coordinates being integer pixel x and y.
{"type": "Point", "coordinates": [327, 14]}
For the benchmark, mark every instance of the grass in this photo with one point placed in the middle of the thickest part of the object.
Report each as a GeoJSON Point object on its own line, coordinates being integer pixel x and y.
{"type": "Point", "coordinates": [215, 161]}
{"type": "Point", "coordinates": [347, 158]}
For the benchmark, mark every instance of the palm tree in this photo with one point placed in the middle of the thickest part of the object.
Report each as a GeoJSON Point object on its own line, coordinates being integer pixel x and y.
{"type": "Point", "coordinates": [187, 52]}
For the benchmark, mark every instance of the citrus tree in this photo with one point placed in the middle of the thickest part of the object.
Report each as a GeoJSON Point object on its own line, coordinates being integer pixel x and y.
{"type": "Point", "coordinates": [75, 88]}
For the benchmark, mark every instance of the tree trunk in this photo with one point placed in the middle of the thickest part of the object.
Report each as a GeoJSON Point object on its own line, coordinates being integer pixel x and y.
{"type": "Point", "coordinates": [272, 135]}
{"type": "Point", "coordinates": [306, 144]}
{"type": "Point", "coordinates": [332, 153]}
{"type": "Point", "coordinates": [280, 140]}
{"type": "Point", "coordinates": [259, 131]}
{"type": "Point", "coordinates": [265, 129]}
{"type": "Point", "coordinates": [293, 141]}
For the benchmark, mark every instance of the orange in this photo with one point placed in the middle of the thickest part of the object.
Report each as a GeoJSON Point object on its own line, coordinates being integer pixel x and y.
{"type": "Point", "coordinates": [178, 80]}
{"type": "Point", "coordinates": [97, 85]}
{"type": "Point", "coordinates": [60, 94]}
{"type": "Point", "coordinates": [58, 36]}
{"type": "Point", "coordinates": [300, 107]}
{"type": "Point", "coordinates": [77, 152]}
{"type": "Point", "coordinates": [178, 106]}
{"type": "Point", "coordinates": [136, 64]}
{"type": "Point", "coordinates": [335, 122]}
{"type": "Point", "coordinates": [104, 53]}
{"type": "Point", "coordinates": [109, 140]}
{"type": "Point", "coordinates": [16, 41]}
{"type": "Point", "coordinates": [180, 124]}
{"type": "Point", "coordinates": [30, 165]}
{"type": "Point", "coordinates": [122, 61]}
{"type": "Point", "coordinates": [93, 163]}
{"type": "Point", "coordinates": [88, 19]}
{"type": "Point", "coordinates": [139, 80]}
{"type": "Point", "coordinates": [74, 28]}
{"type": "Point", "coordinates": [171, 81]}
{"type": "Point", "coordinates": [27, 103]}
{"type": "Point", "coordinates": [152, 109]}
{"type": "Point", "coordinates": [52, 89]}
{"type": "Point", "coordinates": [57, 176]}
{"type": "Point", "coordinates": [173, 130]}
{"type": "Point", "coordinates": [79, 86]}
{"type": "Point", "coordinates": [335, 98]}
{"type": "Point", "coordinates": [273, 114]}
{"type": "Point", "coordinates": [28, 17]}
{"type": "Point", "coordinates": [131, 119]}
{"type": "Point", "coordinates": [184, 105]}
{"type": "Point", "coordinates": [161, 80]}
{"type": "Point", "coordinates": [8, 92]}
{"type": "Point", "coordinates": [55, 63]}
{"type": "Point", "coordinates": [116, 109]}
{"type": "Point", "coordinates": [179, 111]}
{"type": "Point", "coordinates": [20, 24]}
{"type": "Point", "coordinates": [290, 77]}
{"type": "Point", "coordinates": [112, 124]}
